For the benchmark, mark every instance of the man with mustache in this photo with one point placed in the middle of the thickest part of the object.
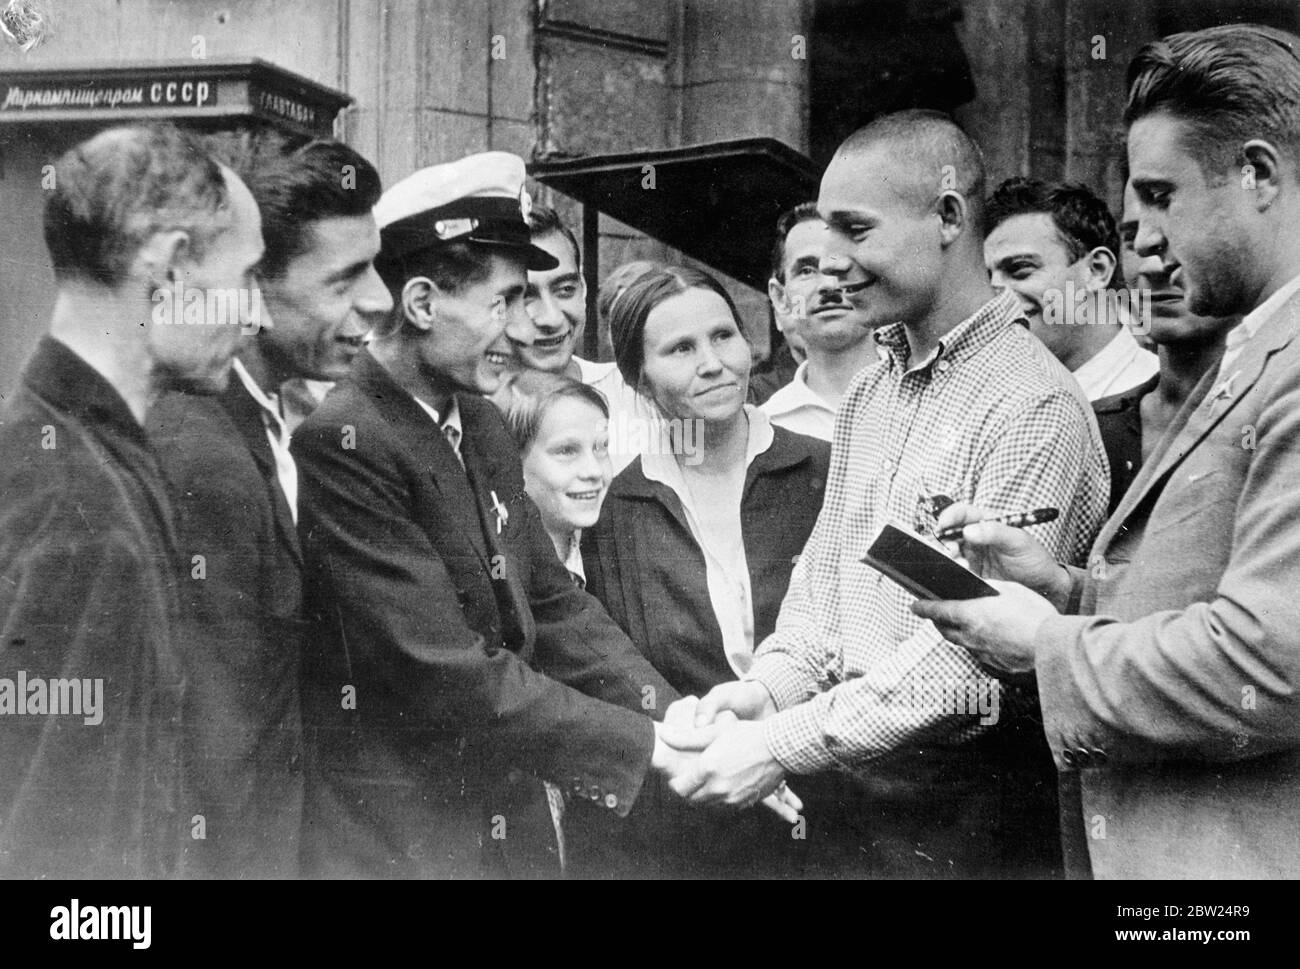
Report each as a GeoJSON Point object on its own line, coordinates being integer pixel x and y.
{"type": "Point", "coordinates": [834, 333]}
{"type": "Point", "coordinates": [789, 350]}
{"type": "Point", "coordinates": [1056, 247]}
{"type": "Point", "coordinates": [236, 488]}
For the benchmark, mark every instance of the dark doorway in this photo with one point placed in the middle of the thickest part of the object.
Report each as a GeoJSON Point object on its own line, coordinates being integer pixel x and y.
{"type": "Point", "coordinates": [870, 57]}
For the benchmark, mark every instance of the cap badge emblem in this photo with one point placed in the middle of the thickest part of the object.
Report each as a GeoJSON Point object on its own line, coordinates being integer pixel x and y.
{"type": "Point", "coordinates": [454, 228]}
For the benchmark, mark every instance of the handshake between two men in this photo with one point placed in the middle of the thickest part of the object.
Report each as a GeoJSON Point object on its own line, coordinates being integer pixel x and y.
{"type": "Point", "coordinates": [712, 751]}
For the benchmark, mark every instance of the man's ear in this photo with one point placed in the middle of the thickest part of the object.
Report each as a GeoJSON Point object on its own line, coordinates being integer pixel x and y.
{"type": "Point", "coordinates": [776, 293]}
{"type": "Point", "coordinates": [954, 215]}
{"type": "Point", "coordinates": [1260, 172]}
{"type": "Point", "coordinates": [1101, 267]}
{"type": "Point", "coordinates": [160, 258]}
{"type": "Point", "coordinates": [419, 302]}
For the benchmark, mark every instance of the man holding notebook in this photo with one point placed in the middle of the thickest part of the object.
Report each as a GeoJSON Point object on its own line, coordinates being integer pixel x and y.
{"type": "Point", "coordinates": [1168, 669]}
{"type": "Point", "coordinates": [966, 403]}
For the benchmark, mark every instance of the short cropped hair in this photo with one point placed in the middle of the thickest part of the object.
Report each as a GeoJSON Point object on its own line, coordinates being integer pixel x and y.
{"type": "Point", "coordinates": [1228, 84]}
{"type": "Point", "coordinates": [1082, 220]}
{"type": "Point", "coordinates": [544, 221]}
{"type": "Point", "coordinates": [934, 146]}
{"type": "Point", "coordinates": [117, 189]}
{"type": "Point", "coordinates": [296, 186]}
{"type": "Point", "coordinates": [530, 394]}
{"type": "Point", "coordinates": [453, 268]}
{"type": "Point", "coordinates": [803, 212]}
{"type": "Point", "coordinates": [629, 312]}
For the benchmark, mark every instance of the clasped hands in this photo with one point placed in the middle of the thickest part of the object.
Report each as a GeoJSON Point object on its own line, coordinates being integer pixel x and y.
{"type": "Point", "coordinates": [713, 751]}
{"type": "Point", "coordinates": [1000, 631]}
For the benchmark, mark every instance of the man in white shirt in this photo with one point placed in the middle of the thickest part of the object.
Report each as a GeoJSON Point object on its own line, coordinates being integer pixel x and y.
{"type": "Point", "coordinates": [1057, 248]}
{"type": "Point", "coordinates": [791, 350]}
{"type": "Point", "coordinates": [556, 306]}
{"type": "Point", "coordinates": [236, 490]}
{"type": "Point", "coordinates": [835, 333]}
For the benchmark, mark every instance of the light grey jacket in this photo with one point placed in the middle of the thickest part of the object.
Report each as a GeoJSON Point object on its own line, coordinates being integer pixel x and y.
{"type": "Point", "coordinates": [1175, 687]}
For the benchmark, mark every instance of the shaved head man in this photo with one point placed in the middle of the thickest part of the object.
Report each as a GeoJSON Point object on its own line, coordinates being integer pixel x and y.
{"type": "Point", "coordinates": [963, 401]}
{"type": "Point", "coordinates": [905, 196]}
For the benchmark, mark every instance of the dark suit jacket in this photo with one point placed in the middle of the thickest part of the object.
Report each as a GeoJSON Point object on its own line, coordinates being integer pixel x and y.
{"type": "Point", "coordinates": [1175, 689]}
{"type": "Point", "coordinates": [88, 571]}
{"type": "Point", "coordinates": [241, 656]}
{"type": "Point", "coordinates": [467, 650]}
{"type": "Point", "coordinates": [1119, 418]}
{"type": "Point", "coordinates": [643, 564]}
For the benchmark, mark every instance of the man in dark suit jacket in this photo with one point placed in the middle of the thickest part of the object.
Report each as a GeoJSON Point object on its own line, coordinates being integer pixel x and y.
{"type": "Point", "coordinates": [1168, 671]}
{"type": "Point", "coordinates": [89, 561]}
{"type": "Point", "coordinates": [453, 659]}
{"type": "Point", "coordinates": [235, 486]}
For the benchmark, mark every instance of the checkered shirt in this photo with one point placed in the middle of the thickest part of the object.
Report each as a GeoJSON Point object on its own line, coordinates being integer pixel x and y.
{"type": "Point", "coordinates": [990, 417]}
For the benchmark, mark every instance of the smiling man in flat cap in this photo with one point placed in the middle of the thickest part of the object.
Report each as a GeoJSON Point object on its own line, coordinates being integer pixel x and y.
{"type": "Point", "coordinates": [455, 665]}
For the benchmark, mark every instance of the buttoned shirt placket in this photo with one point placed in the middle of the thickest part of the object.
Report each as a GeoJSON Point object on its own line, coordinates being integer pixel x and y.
{"type": "Point", "coordinates": [902, 434]}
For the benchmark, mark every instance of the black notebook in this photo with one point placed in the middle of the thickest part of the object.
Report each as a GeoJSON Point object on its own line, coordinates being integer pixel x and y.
{"type": "Point", "coordinates": [922, 570]}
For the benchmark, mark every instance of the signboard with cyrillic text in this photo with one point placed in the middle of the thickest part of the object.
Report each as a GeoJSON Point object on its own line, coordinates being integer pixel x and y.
{"type": "Point", "coordinates": [187, 90]}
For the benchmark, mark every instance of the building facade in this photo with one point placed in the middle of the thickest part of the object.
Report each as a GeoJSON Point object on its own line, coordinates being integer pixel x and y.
{"type": "Point", "coordinates": [1040, 83]}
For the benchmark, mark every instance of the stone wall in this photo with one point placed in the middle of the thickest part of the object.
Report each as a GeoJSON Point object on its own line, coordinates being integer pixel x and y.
{"type": "Point", "coordinates": [438, 79]}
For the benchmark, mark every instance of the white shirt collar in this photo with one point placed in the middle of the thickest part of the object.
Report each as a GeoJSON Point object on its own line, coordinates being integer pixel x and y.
{"type": "Point", "coordinates": [592, 370]}
{"type": "Point", "coordinates": [268, 402]}
{"type": "Point", "coordinates": [663, 467]}
{"type": "Point", "coordinates": [452, 420]}
{"type": "Point", "coordinates": [573, 561]}
{"type": "Point", "coordinates": [1099, 374]}
{"type": "Point", "coordinates": [1251, 322]}
{"type": "Point", "coordinates": [453, 413]}
{"type": "Point", "coordinates": [1249, 325]}
{"type": "Point", "coordinates": [794, 395]}
{"type": "Point", "coordinates": [277, 435]}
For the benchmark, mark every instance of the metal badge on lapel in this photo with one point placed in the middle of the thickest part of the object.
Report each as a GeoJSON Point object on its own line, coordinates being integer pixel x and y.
{"type": "Point", "coordinates": [503, 516]}
{"type": "Point", "coordinates": [1224, 390]}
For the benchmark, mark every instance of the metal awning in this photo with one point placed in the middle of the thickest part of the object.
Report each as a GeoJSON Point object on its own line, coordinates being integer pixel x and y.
{"type": "Point", "coordinates": [718, 202]}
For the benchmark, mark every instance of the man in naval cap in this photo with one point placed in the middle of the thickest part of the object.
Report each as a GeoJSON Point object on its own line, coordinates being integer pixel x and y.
{"type": "Point", "coordinates": [455, 665]}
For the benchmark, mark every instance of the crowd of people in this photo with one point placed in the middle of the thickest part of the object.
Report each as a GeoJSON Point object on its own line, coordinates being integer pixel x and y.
{"type": "Point", "coordinates": [381, 579]}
